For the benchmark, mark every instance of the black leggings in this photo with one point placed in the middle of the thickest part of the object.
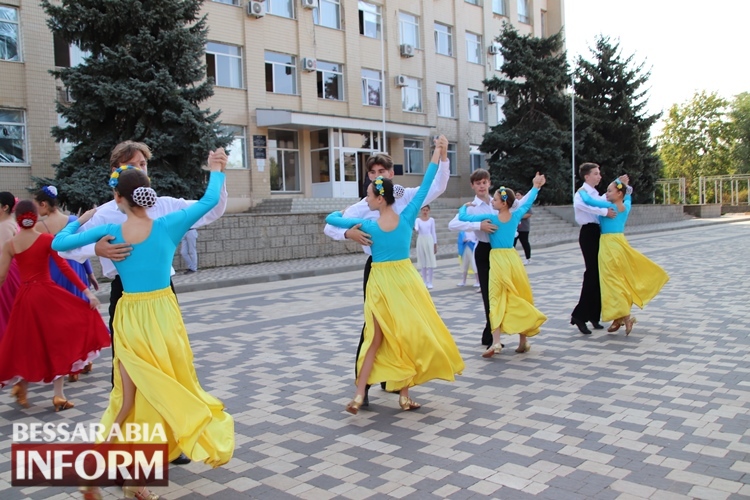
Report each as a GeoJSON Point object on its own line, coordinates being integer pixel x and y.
{"type": "Point", "coordinates": [524, 237]}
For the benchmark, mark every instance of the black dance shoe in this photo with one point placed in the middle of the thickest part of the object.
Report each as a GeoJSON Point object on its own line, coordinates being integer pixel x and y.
{"type": "Point", "coordinates": [181, 460]}
{"type": "Point", "coordinates": [581, 325]}
{"type": "Point", "coordinates": [597, 325]}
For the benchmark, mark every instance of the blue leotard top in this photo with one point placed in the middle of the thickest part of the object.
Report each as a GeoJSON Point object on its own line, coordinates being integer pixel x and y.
{"type": "Point", "coordinates": [391, 245]}
{"type": "Point", "coordinates": [609, 226]}
{"type": "Point", "coordinates": [149, 265]}
{"type": "Point", "coordinates": [506, 231]}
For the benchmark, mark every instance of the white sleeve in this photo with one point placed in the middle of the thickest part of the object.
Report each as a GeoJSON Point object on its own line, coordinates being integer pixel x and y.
{"type": "Point", "coordinates": [439, 183]}
{"type": "Point", "coordinates": [578, 204]}
{"type": "Point", "coordinates": [84, 253]}
{"type": "Point", "coordinates": [432, 230]}
{"type": "Point", "coordinates": [356, 211]}
{"type": "Point", "coordinates": [519, 203]}
{"type": "Point", "coordinates": [212, 215]}
{"type": "Point", "coordinates": [459, 225]}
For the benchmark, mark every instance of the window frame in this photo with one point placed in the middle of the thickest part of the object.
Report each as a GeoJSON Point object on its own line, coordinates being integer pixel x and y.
{"type": "Point", "coordinates": [444, 34]}
{"type": "Point", "coordinates": [408, 168]}
{"type": "Point", "coordinates": [292, 65]}
{"type": "Point", "coordinates": [17, 23]}
{"type": "Point", "coordinates": [452, 96]}
{"type": "Point", "coordinates": [283, 164]}
{"type": "Point", "coordinates": [477, 47]}
{"type": "Point", "coordinates": [340, 73]}
{"type": "Point", "coordinates": [363, 23]}
{"type": "Point", "coordinates": [289, 3]}
{"type": "Point", "coordinates": [236, 3]}
{"type": "Point", "coordinates": [476, 102]}
{"type": "Point", "coordinates": [501, 100]}
{"type": "Point", "coordinates": [243, 139]}
{"type": "Point", "coordinates": [524, 12]}
{"type": "Point", "coordinates": [404, 94]}
{"type": "Point", "coordinates": [365, 87]}
{"type": "Point", "coordinates": [475, 155]}
{"type": "Point", "coordinates": [233, 58]}
{"type": "Point", "coordinates": [25, 161]}
{"type": "Point", "coordinates": [453, 157]}
{"type": "Point", "coordinates": [317, 11]}
{"type": "Point", "coordinates": [503, 5]}
{"type": "Point", "coordinates": [415, 27]}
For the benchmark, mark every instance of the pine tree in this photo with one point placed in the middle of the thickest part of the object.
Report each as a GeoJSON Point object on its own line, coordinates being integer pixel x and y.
{"type": "Point", "coordinates": [535, 135]}
{"type": "Point", "coordinates": [612, 126]}
{"type": "Point", "coordinates": [142, 81]}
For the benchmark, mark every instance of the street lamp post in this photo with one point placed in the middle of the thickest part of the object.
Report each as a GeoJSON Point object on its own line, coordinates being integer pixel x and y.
{"type": "Point", "coordinates": [573, 134]}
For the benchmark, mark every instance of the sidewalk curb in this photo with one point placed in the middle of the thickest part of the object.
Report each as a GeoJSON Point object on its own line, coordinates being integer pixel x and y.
{"type": "Point", "coordinates": [268, 278]}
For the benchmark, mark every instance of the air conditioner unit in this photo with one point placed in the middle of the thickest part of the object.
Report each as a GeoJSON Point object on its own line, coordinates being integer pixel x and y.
{"type": "Point", "coordinates": [256, 9]}
{"type": "Point", "coordinates": [494, 49]}
{"type": "Point", "coordinates": [401, 81]}
{"type": "Point", "coordinates": [310, 4]}
{"type": "Point", "coordinates": [407, 50]}
{"type": "Point", "coordinates": [491, 98]}
{"type": "Point", "coordinates": [309, 64]}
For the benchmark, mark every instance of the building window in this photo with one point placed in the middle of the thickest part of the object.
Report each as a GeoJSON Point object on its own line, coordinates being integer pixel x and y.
{"type": "Point", "coordinates": [283, 157]}
{"type": "Point", "coordinates": [411, 95]}
{"type": "Point", "coordinates": [328, 14]}
{"type": "Point", "coordinates": [543, 23]}
{"type": "Point", "coordinates": [499, 61]}
{"type": "Point", "coordinates": [500, 7]}
{"type": "Point", "coordinates": [372, 87]}
{"type": "Point", "coordinates": [476, 158]}
{"type": "Point", "coordinates": [445, 100]}
{"type": "Point", "coordinates": [443, 39]}
{"type": "Point", "coordinates": [281, 73]}
{"type": "Point", "coordinates": [330, 81]}
{"type": "Point", "coordinates": [413, 156]}
{"type": "Point", "coordinates": [369, 20]}
{"type": "Point", "coordinates": [476, 106]}
{"type": "Point", "coordinates": [473, 2]}
{"type": "Point", "coordinates": [452, 158]}
{"type": "Point", "coordinates": [228, 2]}
{"type": "Point", "coordinates": [10, 47]}
{"type": "Point", "coordinates": [409, 26]}
{"type": "Point", "coordinates": [12, 137]}
{"type": "Point", "coordinates": [224, 64]}
{"type": "Point", "coordinates": [237, 150]}
{"type": "Point", "coordinates": [501, 100]}
{"type": "Point", "coordinates": [473, 48]}
{"type": "Point", "coordinates": [67, 55]}
{"type": "Point", "coordinates": [320, 155]}
{"type": "Point", "coordinates": [65, 146]}
{"type": "Point", "coordinates": [283, 8]}
{"type": "Point", "coordinates": [523, 12]}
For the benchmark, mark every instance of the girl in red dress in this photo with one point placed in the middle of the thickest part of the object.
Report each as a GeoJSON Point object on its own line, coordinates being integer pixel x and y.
{"type": "Point", "coordinates": [50, 332]}
{"type": "Point", "coordinates": [8, 229]}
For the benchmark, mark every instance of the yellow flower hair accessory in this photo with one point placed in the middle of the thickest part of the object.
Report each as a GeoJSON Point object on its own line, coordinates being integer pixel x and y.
{"type": "Point", "coordinates": [503, 193]}
{"type": "Point", "coordinates": [114, 178]}
{"type": "Point", "coordinates": [379, 185]}
{"type": "Point", "coordinates": [618, 183]}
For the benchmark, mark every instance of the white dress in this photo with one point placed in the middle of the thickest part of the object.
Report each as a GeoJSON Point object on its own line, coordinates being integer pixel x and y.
{"type": "Point", "coordinates": [426, 240]}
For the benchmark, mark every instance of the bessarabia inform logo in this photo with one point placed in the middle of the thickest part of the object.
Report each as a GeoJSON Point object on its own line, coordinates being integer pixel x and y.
{"type": "Point", "coordinates": [63, 454]}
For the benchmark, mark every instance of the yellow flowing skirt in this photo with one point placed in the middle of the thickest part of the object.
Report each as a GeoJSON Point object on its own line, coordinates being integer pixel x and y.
{"type": "Point", "coordinates": [626, 277]}
{"type": "Point", "coordinates": [152, 344]}
{"type": "Point", "coordinates": [417, 345]}
{"type": "Point", "coordinates": [511, 301]}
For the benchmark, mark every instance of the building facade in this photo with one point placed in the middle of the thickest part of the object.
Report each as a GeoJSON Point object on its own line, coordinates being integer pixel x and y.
{"type": "Point", "coordinates": [309, 88]}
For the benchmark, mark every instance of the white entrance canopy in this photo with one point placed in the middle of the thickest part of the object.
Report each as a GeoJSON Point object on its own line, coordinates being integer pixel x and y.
{"type": "Point", "coordinates": [296, 119]}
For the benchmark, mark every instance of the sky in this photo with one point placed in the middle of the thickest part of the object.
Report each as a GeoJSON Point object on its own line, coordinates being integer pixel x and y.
{"type": "Point", "coordinates": [689, 45]}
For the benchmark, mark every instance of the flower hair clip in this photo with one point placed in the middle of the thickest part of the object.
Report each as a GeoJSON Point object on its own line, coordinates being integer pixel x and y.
{"type": "Point", "coordinates": [503, 193]}
{"type": "Point", "coordinates": [618, 183]}
{"type": "Point", "coordinates": [26, 220]}
{"type": "Point", "coordinates": [50, 191]}
{"type": "Point", "coordinates": [379, 185]}
{"type": "Point", "coordinates": [115, 177]}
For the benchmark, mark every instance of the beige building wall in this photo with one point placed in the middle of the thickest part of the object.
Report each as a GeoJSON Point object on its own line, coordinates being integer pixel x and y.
{"type": "Point", "coordinates": [28, 87]}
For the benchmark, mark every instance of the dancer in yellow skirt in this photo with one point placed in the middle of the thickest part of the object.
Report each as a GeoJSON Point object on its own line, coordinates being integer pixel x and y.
{"type": "Point", "coordinates": [511, 301]}
{"type": "Point", "coordinates": [405, 341]}
{"type": "Point", "coordinates": [626, 276]}
{"type": "Point", "coordinates": [155, 380]}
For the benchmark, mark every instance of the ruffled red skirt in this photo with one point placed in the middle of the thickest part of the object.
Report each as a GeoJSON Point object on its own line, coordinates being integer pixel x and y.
{"type": "Point", "coordinates": [8, 295]}
{"type": "Point", "coordinates": [50, 334]}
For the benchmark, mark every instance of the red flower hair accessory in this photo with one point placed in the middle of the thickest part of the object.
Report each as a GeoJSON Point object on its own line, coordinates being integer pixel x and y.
{"type": "Point", "coordinates": [26, 220]}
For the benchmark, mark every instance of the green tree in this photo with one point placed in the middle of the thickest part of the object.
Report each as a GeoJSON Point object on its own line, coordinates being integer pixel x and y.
{"type": "Point", "coordinates": [612, 126]}
{"type": "Point", "coordinates": [142, 81]}
{"type": "Point", "coordinates": [536, 132]}
{"type": "Point", "coordinates": [740, 115]}
{"type": "Point", "coordinates": [697, 139]}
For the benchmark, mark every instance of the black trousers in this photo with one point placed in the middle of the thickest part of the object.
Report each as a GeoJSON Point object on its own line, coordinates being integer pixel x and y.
{"type": "Point", "coordinates": [524, 237]}
{"type": "Point", "coordinates": [589, 306]}
{"type": "Point", "coordinates": [115, 294]}
{"type": "Point", "coordinates": [482, 259]}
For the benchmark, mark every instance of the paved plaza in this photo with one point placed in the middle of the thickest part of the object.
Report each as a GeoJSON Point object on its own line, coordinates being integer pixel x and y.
{"type": "Point", "coordinates": [661, 414]}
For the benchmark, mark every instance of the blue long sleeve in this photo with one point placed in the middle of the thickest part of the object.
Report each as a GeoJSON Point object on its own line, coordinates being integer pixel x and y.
{"type": "Point", "coordinates": [464, 217]}
{"type": "Point", "coordinates": [412, 209]}
{"type": "Point", "coordinates": [588, 200]}
{"type": "Point", "coordinates": [68, 239]}
{"type": "Point", "coordinates": [178, 223]}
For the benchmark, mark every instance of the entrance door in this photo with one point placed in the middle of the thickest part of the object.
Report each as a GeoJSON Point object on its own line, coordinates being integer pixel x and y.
{"type": "Point", "coordinates": [346, 168]}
